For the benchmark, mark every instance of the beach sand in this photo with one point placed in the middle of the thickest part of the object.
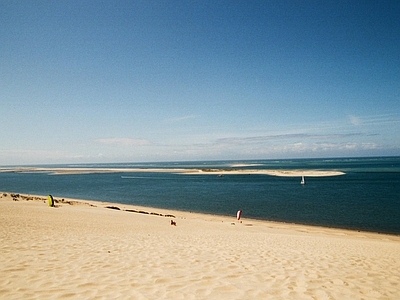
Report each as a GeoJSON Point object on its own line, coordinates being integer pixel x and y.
{"type": "Point", "coordinates": [83, 250]}
{"type": "Point", "coordinates": [195, 171]}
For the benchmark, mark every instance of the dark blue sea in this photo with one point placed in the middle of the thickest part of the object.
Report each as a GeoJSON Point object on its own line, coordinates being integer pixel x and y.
{"type": "Point", "coordinates": [366, 198]}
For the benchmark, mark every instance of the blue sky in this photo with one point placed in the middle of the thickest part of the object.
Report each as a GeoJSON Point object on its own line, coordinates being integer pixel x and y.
{"type": "Point", "coordinates": [133, 81]}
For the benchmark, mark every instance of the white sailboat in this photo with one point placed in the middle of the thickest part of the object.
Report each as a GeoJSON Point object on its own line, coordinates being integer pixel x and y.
{"type": "Point", "coordinates": [303, 181]}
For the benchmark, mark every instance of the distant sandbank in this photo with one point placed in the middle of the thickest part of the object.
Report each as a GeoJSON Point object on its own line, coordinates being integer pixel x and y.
{"type": "Point", "coordinates": [191, 171]}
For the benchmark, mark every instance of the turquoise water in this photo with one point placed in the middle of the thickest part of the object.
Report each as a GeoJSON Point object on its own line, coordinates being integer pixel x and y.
{"type": "Point", "coordinates": [367, 197]}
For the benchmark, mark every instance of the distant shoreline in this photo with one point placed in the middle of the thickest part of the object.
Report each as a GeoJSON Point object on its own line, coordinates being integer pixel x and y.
{"type": "Point", "coordinates": [188, 171]}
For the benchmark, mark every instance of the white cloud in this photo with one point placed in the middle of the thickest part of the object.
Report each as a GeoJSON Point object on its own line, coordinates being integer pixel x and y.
{"type": "Point", "coordinates": [282, 137]}
{"type": "Point", "coordinates": [356, 121]}
{"type": "Point", "coordinates": [384, 119]}
{"type": "Point", "coordinates": [285, 145]}
{"type": "Point", "coordinates": [180, 119]}
{"type": "Point", "coordinates": [29, 156]}
{"type": "Point", "coordinates": [126, 142]}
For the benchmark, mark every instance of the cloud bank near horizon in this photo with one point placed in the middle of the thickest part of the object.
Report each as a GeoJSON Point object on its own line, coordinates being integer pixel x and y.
{"type": "Point", "coordinates": [290, 145]}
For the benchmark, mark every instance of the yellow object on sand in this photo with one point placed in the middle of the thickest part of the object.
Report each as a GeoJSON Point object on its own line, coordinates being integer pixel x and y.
{"type": "Point", "coordinates": [50, 200]}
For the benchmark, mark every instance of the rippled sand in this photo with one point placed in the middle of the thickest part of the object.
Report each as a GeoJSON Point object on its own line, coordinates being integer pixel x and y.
{"type": "Point", "coordinates": [95, 250]}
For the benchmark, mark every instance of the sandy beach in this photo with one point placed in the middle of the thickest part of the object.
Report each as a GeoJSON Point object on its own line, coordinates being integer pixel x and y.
{"type": "Point", "coordinates": [96, 250]}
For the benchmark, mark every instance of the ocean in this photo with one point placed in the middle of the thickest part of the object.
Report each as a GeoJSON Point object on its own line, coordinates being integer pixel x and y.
{"type": "Point", "coordinates": [366, 198]}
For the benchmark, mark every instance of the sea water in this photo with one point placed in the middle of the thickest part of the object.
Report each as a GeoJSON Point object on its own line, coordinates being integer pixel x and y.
{"type": "Point", "coordinates": [367, 197]}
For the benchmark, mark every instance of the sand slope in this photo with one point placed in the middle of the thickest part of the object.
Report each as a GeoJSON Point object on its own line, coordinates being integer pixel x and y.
{"type": "Point", "coordinates": [82, 251]}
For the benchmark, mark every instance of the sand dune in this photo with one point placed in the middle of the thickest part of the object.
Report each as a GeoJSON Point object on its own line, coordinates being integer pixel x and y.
{"type": "Point", "coordinates": [83, 250]}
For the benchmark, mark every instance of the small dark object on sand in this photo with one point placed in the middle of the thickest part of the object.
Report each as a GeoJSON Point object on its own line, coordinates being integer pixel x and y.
{"type": "Point", "coordinates": [173, 222]}
{"type": "Point", "coordinates": [113, 207]}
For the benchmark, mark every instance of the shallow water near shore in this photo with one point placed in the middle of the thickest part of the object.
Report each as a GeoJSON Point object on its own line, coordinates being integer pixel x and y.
{"type": "Point", "coordinates": [365, 198]}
